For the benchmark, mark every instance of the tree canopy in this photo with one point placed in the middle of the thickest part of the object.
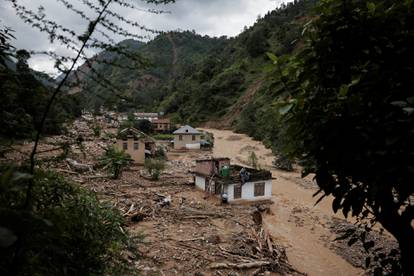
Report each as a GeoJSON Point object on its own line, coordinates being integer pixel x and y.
{"type": "Point", "coordinates": [349, 111]}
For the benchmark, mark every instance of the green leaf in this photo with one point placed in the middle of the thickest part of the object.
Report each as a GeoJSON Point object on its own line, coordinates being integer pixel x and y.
{"type": "Point", "coordinates": [285, 109]}
{"type": "Point", "coordinates": [371, 8]}
{"type": "Point", "coordinates": [268, 68]}
{"type": "Point", "coordinates": [336, 204]}
{"type": "Point", "coordinates": [272, 57]}
{"type": "Point", "coordinates": [355, 81]}
{"type": "Point", "coordinates": [343, 91]}
{"type": "Point", "coordinates": [319, 200]}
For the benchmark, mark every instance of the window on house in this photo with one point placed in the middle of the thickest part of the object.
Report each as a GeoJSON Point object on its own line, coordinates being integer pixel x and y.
{"type": "Point", "coordinates": [237, 191]}
{"type": "Point", "coordinates": [136, 146]}
{"type": "Point", "coordinates": [125, 145]}
{"type": "Point", "coordinates": [193, 137]}
{"type": "Point", "coordinates": [259, 189]}
{"type": "Point", "coordinates": [180, 137]}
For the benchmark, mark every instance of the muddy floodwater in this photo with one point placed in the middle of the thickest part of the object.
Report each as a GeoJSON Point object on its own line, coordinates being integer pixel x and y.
{"type": "Point", "coordinates": [295, 222]}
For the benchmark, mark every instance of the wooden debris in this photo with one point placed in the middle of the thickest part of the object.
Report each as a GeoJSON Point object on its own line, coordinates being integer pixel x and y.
{"type": "Point", "coordinates": [240, 265]}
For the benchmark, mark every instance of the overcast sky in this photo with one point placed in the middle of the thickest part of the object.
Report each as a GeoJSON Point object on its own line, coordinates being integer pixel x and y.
{"type": "Point", "coordinates": [207, 17]}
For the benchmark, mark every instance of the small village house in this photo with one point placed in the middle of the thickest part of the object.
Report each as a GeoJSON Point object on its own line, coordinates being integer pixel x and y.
{"type": "Point", "coordinates": [218, 176]}
{"type": "Point", "coordinates": [187, 137]}
{"type": "Point", "coordinates": [136, 143]}
{"type": "Point", "coordinates": [146, 116]}
{"type": "Point", "coordinates": [161, 125]}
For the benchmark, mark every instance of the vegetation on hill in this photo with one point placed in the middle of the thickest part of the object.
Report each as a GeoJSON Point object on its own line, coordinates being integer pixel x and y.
{"type": "Point", "coordinates": [23, 100]}
{"type": "Point", "coordinates": [232, 79]}
{"type": "Point", "coordinates": [167, 56]}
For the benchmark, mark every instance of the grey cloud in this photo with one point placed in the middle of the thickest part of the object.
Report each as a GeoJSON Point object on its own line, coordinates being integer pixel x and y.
{"type": "Point", "coordinates": [207, 17]}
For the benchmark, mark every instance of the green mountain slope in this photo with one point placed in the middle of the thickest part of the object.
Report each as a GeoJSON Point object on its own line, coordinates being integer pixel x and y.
{"type": "Point", "coordinates": [217, 82]}
{"type": "Point", "coordinates": [229, 88]}
{"type": "Point", "coordinates": [168, 55]}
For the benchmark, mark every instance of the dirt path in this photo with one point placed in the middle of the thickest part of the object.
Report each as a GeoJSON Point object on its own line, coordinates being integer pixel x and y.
{"type": "Point", "coordinates": [298, 224]}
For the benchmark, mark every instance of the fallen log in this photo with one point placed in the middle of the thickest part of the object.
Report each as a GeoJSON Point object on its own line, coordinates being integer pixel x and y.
{"type": "Point", "coordinates": [269, 242]}
{"type": "Point", "coordinates": [65, 171]}
{"type": "Point", "coordinates": [97, 176]}
{"type": "Point", "coordinates": [196, 217]}
{"type": "Point", "coordinates": [239, 266]}
{"type": "Point", "coordinates": [79, 166]}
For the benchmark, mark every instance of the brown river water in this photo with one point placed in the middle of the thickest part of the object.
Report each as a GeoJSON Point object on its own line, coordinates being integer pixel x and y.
{"type": "Point", "coordinates": [295, 222]}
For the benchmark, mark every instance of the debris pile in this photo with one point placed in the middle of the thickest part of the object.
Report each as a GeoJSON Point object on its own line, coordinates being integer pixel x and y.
{"type": "Point", "coordinates": [185, 231]}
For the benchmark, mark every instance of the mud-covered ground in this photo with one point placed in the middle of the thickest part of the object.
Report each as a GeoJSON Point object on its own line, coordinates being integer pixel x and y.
{"type": "Point", "coordinates": [197, 234]}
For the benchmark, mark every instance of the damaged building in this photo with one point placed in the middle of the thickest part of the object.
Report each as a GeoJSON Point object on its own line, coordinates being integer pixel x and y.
{"type": "Point", "coordinates": [232, 182]}
{"type": "Point", "coordinates": [137, 144]}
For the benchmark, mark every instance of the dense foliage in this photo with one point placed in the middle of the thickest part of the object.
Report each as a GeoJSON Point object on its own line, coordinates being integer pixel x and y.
{"type": "Point", "coordinates": [69, 232]}
{"type": "Point", "coordinates": [155, 167]}
{"type": "Point", "coordinates": [348, 112]}
{"type": "Point", "coordinates": [24, 98]}
{"type": "Point", "coordinates": [167, 56]}
{"type": "Point", "coordinates": [219, 82]}
{"type": "Point", "coordinates": [115, 161]}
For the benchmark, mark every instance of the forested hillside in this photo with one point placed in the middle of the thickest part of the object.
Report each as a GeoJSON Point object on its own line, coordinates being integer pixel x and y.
{"type": "Point", "coordinates": [142, 87]}
{"type": "Point", "coordinates": [195, 79]}
{"type": "Point", "coordinates": [230, 87]}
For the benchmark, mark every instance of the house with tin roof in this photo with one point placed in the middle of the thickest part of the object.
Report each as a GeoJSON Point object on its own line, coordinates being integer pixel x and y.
{"type": "Point", "coordinates": [187, 137]}
{"type": "Point", "coordinates": [136, 143]}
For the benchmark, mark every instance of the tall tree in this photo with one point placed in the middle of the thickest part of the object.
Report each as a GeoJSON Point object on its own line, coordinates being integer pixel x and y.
{"type": "Point", "coordinates": [25, 247]}
{"type": "Point", "coordinates": [350, 112]}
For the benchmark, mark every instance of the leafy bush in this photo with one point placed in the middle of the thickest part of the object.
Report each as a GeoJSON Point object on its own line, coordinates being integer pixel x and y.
{"type": "Point", "coordinates": [160, 153]}
{"type": "Point", "coordinates": [154, 167]}
{"type": "Point", "coordinates": [68, 231]}
{"type": "Point", "coordinates": [96, 130]}
{"type": "Point", "coordinates": [252, 160]}
{"type": "Point", "coordinates": [144, 126]}
{"type": "Point", "coordinates": [167, 137]}
{"type": "Point", "coordinates": [115, 161]}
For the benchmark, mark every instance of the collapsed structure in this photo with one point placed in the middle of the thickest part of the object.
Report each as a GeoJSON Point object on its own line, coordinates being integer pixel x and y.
{"type": "Point", "coordinates": [136, 143]}
{"type": "Point", "coordinates": [233, 182]}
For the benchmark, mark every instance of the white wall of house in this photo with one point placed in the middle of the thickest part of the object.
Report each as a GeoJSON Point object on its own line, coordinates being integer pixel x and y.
{"type": "Point", "coordinates": [200, 182]}
{"type": "Point", "coordinates": [248, 191]}
{"type": "Point", "coordinates": [193, 146]}
{"type": "Point", "coordinates": [184, 141]}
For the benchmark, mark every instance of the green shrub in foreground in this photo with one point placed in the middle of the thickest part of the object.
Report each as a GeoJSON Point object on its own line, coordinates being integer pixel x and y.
{"type": "Point", "coordinates": [68, 231]}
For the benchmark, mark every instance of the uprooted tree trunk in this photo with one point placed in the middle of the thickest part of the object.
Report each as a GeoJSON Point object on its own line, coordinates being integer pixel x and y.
{"type": "Point", "coordinates": [79, 167]}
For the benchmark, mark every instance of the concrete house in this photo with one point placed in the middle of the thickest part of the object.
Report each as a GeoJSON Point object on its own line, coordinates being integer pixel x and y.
{"type": "Point", "coordinates": [234, 182]}
{"type": "Point", "coordinates": [161, 124]}
{"type": "Point", "coordinates": [187, 137]}
{"type": "Point", "coordinates": [146, 116]}
{"type": "Point", "coordinates": [136, 143]}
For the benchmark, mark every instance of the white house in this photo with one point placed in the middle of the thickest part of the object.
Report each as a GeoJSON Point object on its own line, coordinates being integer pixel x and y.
{"type": "Point", "coordinates": [187, 137]}
{"type": "Point", "coordinates": [218, 177]}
